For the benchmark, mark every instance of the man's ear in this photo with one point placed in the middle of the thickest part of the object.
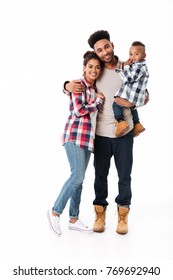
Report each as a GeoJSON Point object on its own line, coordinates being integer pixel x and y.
{"type": "Point", "coordinates": [112, 45]}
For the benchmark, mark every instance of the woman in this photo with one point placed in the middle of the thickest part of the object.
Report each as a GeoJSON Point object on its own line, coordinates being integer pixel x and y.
{"type": "Point", "coordinates": [79, 144]}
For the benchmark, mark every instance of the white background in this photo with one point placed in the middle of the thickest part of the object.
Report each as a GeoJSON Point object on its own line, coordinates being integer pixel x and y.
{"type": "Point", "coordinates": [42, 45]}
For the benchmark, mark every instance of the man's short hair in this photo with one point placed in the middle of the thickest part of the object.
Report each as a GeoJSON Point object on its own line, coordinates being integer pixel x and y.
{"type": "Point", "coordinates": [96, 36]}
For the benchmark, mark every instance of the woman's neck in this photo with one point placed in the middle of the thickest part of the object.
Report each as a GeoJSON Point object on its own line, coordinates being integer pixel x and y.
{"type": "Point", "coordinates": [89, 81]}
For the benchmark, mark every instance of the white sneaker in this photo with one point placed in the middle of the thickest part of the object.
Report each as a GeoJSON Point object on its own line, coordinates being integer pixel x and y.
{"type": "Point", "coordinates": [54, 223]}
{"type": "Point", "coordinates": [79, 226]}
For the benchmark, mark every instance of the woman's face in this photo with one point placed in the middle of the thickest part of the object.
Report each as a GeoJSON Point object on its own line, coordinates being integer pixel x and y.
{"type": "Point", "coordinates": [92, 70]}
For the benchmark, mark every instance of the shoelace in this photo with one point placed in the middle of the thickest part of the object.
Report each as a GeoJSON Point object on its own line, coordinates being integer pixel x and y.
{"type": "Point", "coordinates": [100, 216]}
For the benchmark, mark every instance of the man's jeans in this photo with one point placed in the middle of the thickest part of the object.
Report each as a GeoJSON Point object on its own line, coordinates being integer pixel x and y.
{"type": "Point", "coordinates": [78, 159]}
{"type": "Point", "coordinates": [121, 149]}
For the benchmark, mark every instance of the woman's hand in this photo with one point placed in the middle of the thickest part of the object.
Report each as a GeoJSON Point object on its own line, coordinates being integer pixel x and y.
{"type": "Point", "coordinates": [100, 95]}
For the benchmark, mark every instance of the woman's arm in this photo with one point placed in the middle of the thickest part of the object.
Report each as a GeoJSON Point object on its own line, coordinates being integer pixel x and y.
{"type": "Point", "coordinates": [81, 108]}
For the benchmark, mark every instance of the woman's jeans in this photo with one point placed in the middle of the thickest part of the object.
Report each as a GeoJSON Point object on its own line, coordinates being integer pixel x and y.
{"type": "Point", "coordinates": [121, 149]}
{"type": "Point", "coordinates": [78, 159]}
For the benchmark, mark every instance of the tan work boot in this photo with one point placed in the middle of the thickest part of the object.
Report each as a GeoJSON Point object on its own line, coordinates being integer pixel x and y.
{"type": "Point", "coordinates": [122, 127]}
{"type": "Point", "coordinates": [100, 216]}
{"type": "Point", "coordinates": [138, 128]}
{"type": "Point", "coordinates": [122, 227]}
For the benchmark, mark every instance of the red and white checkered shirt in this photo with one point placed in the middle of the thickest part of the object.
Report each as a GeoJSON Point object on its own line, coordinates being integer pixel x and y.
{"type": "Point", "coordinates": [79, 127]}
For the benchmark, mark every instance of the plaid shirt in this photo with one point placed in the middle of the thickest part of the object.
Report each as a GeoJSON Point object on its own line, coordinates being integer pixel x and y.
{"type": "Point", "coordinates": [135, 79]}
{"type": "Point", "coordinates": [79, 128]}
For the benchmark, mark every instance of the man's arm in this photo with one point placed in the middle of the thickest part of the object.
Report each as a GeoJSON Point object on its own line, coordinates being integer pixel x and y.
{"type": "Point", "coordinates": [123, 102]}
{"type": "Point", "coordinates": [74, 86]}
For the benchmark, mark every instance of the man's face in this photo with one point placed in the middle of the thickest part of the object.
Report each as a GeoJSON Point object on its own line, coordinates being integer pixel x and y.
{"type": "Point", "coordinates": [105, 50]}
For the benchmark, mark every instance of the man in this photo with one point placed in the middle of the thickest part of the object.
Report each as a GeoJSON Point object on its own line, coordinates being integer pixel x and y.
{"type": "Point", "coordinates": [106, 143]}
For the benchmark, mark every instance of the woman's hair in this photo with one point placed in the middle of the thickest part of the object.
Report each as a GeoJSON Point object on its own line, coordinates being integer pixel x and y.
{"type": "Point", "coordinates": [98, 35]}
{"type": "Point", "coordinates": [91, 55]}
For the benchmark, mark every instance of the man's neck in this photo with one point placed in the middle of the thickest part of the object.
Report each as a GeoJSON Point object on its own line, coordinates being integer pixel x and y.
{"type": "Point", "coordinates": [112, 64]}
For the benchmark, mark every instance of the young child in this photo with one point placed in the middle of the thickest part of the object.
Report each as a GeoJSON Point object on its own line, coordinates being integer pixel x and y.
{"type": "Point", "coordinates": [134, 88]}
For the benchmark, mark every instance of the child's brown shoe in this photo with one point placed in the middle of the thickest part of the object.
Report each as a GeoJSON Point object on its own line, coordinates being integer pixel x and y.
{"type": "Point", "coordinates": [122, 127]}
{"type": "Point", "coordinates": [138, 128]}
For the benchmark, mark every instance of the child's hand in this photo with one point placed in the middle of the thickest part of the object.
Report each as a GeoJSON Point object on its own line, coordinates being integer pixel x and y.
{"type": "Point", "coordinates": [128, 62]}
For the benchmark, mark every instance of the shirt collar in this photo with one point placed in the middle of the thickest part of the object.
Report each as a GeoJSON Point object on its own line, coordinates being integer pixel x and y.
{"type": "Point", "coordinates": [141, 62]}
{"type": "Point", "coordinates": [87, 84]}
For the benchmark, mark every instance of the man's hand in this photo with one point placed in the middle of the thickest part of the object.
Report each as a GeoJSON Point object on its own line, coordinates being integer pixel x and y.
{"type": "Point", "coordinates": [146, 100]}
{"type": "Point", "coordinates": [75, 86]}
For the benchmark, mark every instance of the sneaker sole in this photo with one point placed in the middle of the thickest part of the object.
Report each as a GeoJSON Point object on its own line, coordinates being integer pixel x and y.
{"type": "Point", "coordinates": [81, 230]}
{"type": "Point", "coordinates": [50, 225]}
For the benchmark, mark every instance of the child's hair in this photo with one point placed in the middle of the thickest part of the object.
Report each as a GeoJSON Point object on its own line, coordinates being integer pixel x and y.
{"type": "Point", "coordinates": [91, 55]}
{"type": "Point", "coordinates": [98, 35]}
{"type": "Point", "coordinates": [138, 43]}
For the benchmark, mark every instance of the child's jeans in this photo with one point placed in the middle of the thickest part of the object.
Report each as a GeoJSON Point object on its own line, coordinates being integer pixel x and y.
{"type": "Point", "coordinates": [118, 113]}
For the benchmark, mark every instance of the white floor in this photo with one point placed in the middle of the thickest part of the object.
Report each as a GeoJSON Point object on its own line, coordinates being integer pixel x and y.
{"type": "Point", "coordinates": [33, 172]}
{"type": "Point", "coordinates": [27, 241]}
{"type": "Point", "coordinates": [27, 234]}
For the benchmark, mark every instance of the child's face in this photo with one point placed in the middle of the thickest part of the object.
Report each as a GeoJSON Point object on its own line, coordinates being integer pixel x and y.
{"type": "Point", "coordinates": [92, 70]}
{"type": "Point", "coordinates": [137, 53]}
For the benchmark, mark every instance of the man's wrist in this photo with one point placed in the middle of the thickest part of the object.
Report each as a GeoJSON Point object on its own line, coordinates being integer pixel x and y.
{"type": "Point", "coordinates": [66, 82]}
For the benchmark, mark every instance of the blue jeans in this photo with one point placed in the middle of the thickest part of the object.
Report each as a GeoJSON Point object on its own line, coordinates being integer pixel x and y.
{"type": "Point", "coordinates": [78, 159]}
{"type": "Point", "coordinates": [121, 149]}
